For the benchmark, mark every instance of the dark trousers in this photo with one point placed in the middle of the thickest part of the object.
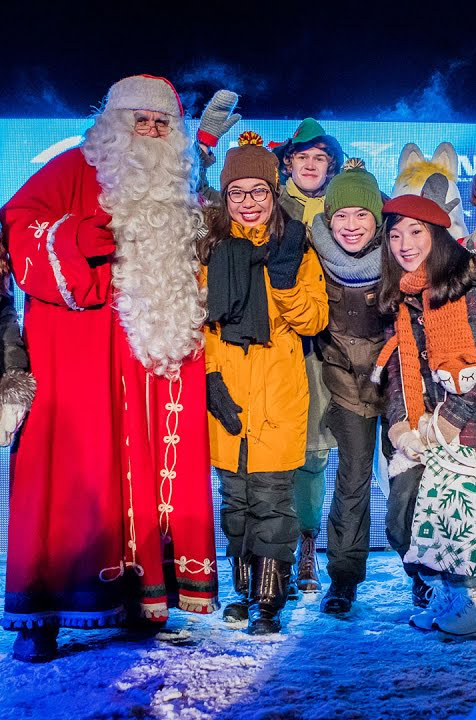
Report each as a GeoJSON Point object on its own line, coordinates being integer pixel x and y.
{"type": "Point", "coordinates": [258, 514]}
{"type": "Point", "coordinates": [349, 517]}
{"type": "Point", "coordinates": [400, 508]}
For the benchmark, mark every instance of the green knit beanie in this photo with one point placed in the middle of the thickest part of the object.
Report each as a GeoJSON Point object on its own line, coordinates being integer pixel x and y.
{"type": "Point", "coordinates": [354, 187]}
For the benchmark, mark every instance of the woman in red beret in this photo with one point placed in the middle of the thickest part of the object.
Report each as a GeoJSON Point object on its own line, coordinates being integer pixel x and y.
{"type": "Point", "coordinates": [428, 285]}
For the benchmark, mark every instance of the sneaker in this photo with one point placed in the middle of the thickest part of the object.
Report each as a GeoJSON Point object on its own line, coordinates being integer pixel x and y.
{"type": "Point", "coordinates": [421, 592]}
{"type": "Point", "coordinates": [338, 599]}
{"type": "Point", "coordinates": [439, 596]}
{"type": "Point", "coordinates": [460, 618]}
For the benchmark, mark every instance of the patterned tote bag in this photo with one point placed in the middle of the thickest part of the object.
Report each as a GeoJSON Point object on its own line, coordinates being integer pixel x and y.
{"type": "Point", "coordinates": [444, 523]}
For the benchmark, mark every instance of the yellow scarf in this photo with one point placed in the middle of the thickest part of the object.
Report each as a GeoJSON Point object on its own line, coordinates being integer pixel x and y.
{"type": "Point", "coordinates": [258, 235]}
{"type": "Point", "coordinates": [312, 206]}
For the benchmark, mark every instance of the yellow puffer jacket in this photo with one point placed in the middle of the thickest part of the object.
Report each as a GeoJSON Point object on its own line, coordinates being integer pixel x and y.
{"type": "Point", "coordinates": [270, 382]}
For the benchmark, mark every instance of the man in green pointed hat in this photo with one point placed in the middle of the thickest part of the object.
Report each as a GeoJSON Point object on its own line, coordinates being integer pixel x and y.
{"type": "Point", "coordinates": [308, 162]}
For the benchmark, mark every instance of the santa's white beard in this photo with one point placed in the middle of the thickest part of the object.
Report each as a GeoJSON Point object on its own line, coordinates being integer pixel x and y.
{"type": "Point", "coordinates": [155, 218]}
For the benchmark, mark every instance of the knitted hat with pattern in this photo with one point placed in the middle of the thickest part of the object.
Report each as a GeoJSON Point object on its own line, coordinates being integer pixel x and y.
{"type": "Point", "coordinates": [354, 187]}
{"type": "Point", "coordinates": [144, 92]}
{"type": "Point", "coordinates": [250, 160]}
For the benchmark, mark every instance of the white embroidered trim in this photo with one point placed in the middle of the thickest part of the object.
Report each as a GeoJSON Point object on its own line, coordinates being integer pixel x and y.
{"type": "Point", "coordinates": [119, 570]}
{"type": "Point", "coordinates": [171, 440]}
{"type": "Point", "coordinates": [56, 267]}
{"type": "Point", "coordinates": [197, 605]}
{"type": "Point", "coordinates": [157, 610]}
{"type": "Point", "coordinates": [38, 228]}
{"type": "Point", "coordinates": [206, 566]}
{"type": "Point", "coordinates": [27, 262]}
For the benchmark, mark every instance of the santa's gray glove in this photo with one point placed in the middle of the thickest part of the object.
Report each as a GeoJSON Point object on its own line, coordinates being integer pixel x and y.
{"type": "Point", "coordinates": [217, 119]}
{"type": "Point", "coordinates": [221, 405]}
{"type": "Point", "coordinates": [285, 257]}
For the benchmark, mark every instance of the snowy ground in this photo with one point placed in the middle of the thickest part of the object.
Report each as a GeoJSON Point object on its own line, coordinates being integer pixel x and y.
{"type": "Point", "coordinates": [370, 666]}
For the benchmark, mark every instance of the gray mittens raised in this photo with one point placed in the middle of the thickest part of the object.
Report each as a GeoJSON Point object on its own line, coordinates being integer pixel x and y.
{"type": "Point", "coordinates": [217, 119]}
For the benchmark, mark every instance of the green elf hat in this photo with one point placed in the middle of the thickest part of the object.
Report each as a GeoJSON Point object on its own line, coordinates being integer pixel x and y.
{"type": "Point", "coordinates": [354, 187]}
{"type": "Point", "coordinates": [308, 130]}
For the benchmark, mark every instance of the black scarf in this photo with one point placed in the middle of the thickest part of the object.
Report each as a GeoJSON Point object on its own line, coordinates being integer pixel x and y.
{"type": "Point", "coordinates": [237, 292]}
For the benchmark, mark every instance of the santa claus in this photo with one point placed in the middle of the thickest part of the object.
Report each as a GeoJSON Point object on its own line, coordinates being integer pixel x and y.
{"type": "Point", "coordinates": [111, 514]}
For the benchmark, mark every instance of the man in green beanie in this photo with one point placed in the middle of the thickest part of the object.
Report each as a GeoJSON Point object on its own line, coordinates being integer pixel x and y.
{"type": "Point", "coordinates": [347, 240]}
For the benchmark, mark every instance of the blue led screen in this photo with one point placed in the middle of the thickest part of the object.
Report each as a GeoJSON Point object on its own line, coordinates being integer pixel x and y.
{"type": "Point", "coordinates": [25, 145]}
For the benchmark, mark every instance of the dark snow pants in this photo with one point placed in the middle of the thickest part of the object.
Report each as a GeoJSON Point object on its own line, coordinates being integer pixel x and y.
{"type": "Point", "coordinates": [348, 524]}
{"type": "Point", "coordinates": [258, 514]}
{"type": "Point", "coordinates": [400, 508]}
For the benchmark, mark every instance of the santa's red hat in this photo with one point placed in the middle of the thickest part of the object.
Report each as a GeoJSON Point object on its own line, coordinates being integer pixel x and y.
{"type": "Point", "coordinates": [144, 92]}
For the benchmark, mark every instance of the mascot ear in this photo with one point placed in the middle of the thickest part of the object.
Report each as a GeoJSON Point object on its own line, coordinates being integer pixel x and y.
{"type": "Point", "coordinates": [410, 155]}
{"type": "Point", "coordinates": [445, 155]}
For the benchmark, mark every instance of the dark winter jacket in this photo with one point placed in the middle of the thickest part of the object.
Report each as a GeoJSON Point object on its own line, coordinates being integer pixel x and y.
{"type": "Point", "coordinates": [12, 349]}
{"type": "Point", "coordinates": [350, 346]}
{"type": "Point", "coordinates": [459, 410]}
{"type": "Point", "coordinates": [16, 384]}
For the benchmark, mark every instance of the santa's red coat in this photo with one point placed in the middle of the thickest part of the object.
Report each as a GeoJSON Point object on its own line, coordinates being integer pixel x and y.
{"type": "Point", "coordinates": [111, 502]}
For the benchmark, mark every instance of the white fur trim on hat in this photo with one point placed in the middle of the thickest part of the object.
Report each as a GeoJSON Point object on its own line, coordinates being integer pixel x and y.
{"type": "Point", "coordinates": [144, 92]}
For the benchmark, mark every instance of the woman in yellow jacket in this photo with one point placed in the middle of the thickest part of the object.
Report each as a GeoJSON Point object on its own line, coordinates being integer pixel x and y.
{"type": "Point", "coordinates": [265, 289]}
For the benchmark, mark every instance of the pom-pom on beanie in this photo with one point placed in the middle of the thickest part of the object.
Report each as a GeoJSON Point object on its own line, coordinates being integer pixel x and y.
{"type": "Point", "coordinates": [354, 187]}
{"type": "Point", "coordinates": [250, 160]}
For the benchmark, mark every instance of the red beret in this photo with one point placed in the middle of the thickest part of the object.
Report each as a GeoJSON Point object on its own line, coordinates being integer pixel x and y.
{"type": "Point", "coordinates": [419, 208]}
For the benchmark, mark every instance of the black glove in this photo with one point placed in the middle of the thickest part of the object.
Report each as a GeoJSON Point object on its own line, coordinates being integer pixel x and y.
{"type": "Point", "coordinates": [220, 404]}
{"type": "Point", "coordinates": [286, 256]}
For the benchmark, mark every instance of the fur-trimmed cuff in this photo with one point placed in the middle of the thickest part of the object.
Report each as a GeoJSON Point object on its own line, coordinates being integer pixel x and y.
{"type": "Point", "coordinates": [399, 463]}
{"type": "Point", "coordinates": [17, 387]}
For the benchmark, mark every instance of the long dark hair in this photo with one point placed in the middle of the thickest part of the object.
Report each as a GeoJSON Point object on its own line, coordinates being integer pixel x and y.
{"type": "Point", "coordinates": [450, 269]}
{"type": "Point", "coordinates": [218, 221]}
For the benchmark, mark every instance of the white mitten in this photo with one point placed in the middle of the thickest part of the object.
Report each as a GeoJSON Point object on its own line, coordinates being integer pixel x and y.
{"type": "Point", "coordinates": [423, 425]}
{"type": "Point", "coordinates": [410, 444]}
{"type": "Point", "coordinates": [11, 417]}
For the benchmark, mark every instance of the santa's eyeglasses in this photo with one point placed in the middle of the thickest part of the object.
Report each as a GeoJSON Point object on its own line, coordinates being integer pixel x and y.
{"type": "Point", "coordinates": [144, 125]}
{"type": "Point", "coordinates": [257, 194]}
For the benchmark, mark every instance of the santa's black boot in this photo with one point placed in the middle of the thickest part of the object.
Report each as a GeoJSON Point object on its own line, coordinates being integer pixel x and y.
{"type": "Point", "coordinates": [36, 644]}
{"type": "Point", "coordinates": [269, 592]}
{"type": "Point", "coordinates": [237, 610]}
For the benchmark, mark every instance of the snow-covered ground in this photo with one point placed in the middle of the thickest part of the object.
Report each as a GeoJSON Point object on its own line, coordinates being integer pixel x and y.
{"type": "Point", "coordinates": [370, 666]}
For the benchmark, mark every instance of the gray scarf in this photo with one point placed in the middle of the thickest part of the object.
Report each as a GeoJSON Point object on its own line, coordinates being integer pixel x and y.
{"type": "Point", "coordinates": [344, 268]}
